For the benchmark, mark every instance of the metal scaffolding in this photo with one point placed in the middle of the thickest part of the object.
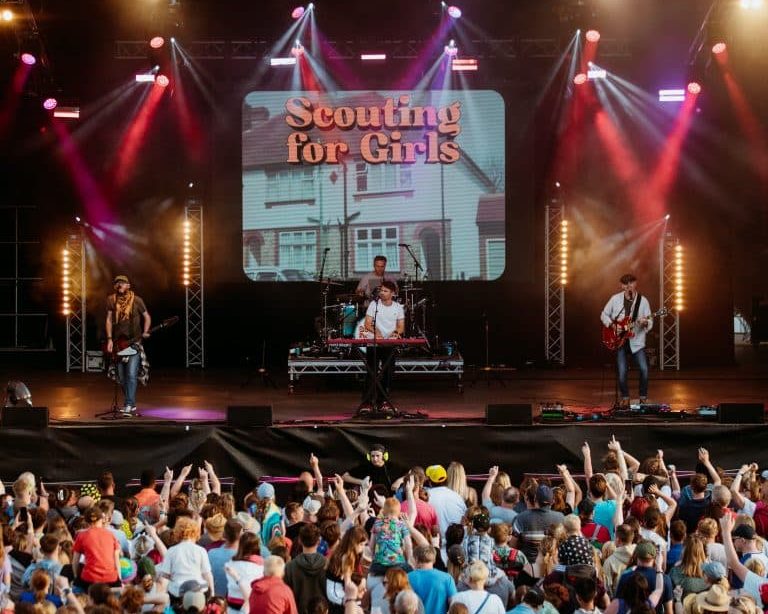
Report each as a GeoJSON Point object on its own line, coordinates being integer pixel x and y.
{"type": "Point", "coordinates": [74, 300]}
{"type": "Point", "coordinates": [555, 280]}
{"type": "Point", "coordinates": [670, 298]}
{"type": "Point", "coordinates": [194, 283]}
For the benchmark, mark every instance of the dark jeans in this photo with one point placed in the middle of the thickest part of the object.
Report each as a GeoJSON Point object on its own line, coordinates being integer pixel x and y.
{"type": "Point", "coordinates": [622, 365]}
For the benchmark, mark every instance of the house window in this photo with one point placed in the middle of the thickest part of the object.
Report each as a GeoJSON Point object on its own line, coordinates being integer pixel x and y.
{"type": "Point", "coordinates": [494, 258]}
{"type": "Point", "coordinates": [372, 242]}
{"type": "Point", "coordinates": [382, 177]}
{"type": "Point", "coordinates": [290, 184]}
{"type": "Point", "coordinates": [298, 250]}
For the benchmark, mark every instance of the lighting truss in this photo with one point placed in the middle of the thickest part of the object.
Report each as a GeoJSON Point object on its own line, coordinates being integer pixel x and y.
{"type": "Point", "coordinates": [556, 278]}
{"type": "Point", "coordinates": [671, 298]}
{"type": "Point", "coordinates": [194, 283]}
{"type": "Point", "coordinates": [73, 300]}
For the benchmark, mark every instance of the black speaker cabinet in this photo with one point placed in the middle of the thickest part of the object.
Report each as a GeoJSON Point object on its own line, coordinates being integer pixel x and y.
{"type": "Point", "coordinates": [249, 415]}
{"type": "Point", "coordinates": [509, 413]}
{"type": "Point", "coordinates": [741, 413]}
{"type": "Point", "coordinates": [25, 417]}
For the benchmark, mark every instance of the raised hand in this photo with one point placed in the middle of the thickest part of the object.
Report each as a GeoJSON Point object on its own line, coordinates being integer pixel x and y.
{"type": "Point", "coordinates": [613, 444]}
{"type": "Point", "coordinates": [313, 461]}
{"type": "Point", "coordinates": [585, 450]}
{"type": "Point", "coordinates": [703, 455]}
{"type": "Point", "coordinates": [562, 469]}
{"type": "Point", "coordinates": [727, 522]}
{"type": "Point", "coordinates": [185, 471]}
{"type": "Point", "coordinates": [660, 454]}
{"type": "Point", "coordinates": [168, 475]}
{"type": "Point", "coordinates": [202, 473]}
{"type": "Point", "coordinates": [493, 472]}
{"type": "Point", "coordinates": [653, 489]}
{"type": "Point", "coordinates": [208, 467]}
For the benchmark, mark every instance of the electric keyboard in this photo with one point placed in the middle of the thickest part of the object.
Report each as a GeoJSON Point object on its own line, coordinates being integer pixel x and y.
{"type": "Point", "coordinates": [404, 342]}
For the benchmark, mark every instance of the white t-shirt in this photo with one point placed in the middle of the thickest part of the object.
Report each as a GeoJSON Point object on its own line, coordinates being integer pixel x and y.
{"type": "Point", "coordinates": [386, 316]}
{"type": "Point", "coordinates": [474, 599]}
{"type": "Point", "coordinates": [247, 571]}
{"type": "Point", "coordinates": [752, 584]}
{"type": "Point", "coordinates": [184, 561]}
{"type": "Point", "coordinates": [658, 540]}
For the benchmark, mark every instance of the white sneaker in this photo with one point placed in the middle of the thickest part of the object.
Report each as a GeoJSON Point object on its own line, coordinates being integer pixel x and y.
{"type": "Point", "coordinates": [128, 410]}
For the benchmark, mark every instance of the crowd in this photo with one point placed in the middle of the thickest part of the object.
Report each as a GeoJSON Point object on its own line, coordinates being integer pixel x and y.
{"type": "Point", "coordinates": [623, 537]}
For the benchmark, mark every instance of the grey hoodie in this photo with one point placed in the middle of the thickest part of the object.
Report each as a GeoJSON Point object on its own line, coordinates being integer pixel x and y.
{"type": "Point", "coordinates": [615, 565]}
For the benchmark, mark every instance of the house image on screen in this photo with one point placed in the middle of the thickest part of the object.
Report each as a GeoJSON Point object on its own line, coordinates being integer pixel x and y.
{"type": "Point", "coordinates": [450, 214]}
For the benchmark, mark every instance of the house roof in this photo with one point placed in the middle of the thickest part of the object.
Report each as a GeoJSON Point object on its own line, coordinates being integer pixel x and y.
{"type": "Point", "coordinates": [490, 208]}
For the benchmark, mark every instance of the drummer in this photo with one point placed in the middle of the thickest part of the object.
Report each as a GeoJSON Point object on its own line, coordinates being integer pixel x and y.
{"type": "Point", "coordinates": [371, 282]}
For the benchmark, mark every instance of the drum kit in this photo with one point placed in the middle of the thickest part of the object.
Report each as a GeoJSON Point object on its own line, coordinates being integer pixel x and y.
{"type": "Point", "coordinates": [343, 313]}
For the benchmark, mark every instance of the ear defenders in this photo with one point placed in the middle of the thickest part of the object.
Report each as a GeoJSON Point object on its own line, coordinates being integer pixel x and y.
{"type": "Point", "coordinates": [384, 452]}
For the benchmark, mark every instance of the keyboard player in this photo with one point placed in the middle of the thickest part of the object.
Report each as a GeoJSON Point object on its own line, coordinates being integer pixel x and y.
{"type": "Point", "coordinates": [389, 319]}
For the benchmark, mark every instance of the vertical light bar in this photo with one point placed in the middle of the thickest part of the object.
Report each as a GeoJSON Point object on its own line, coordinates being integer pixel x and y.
{"type": "Point", "coordinates": [186, 253]}
{"type": "Point", "coordinates": [66, 307]}
{"type": "Point", "coordinates": [564, 252]}
{"type": "Point", "coordinates": [679, 279]}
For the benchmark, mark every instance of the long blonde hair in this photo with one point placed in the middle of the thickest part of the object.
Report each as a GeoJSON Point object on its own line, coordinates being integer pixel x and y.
{"type": "Point", "coordinates": [457, 481]}
{"type": "Point", "coordinates": [548, 549]}
{"type": "Point", "coordinates": [693, 557]}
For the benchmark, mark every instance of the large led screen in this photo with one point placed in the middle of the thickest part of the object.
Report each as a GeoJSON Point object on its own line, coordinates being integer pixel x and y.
{"type": "Point", "coordinates": [333, 179]}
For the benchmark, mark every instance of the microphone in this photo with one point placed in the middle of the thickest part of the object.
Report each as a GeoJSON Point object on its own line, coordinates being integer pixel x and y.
{"type": "Point", "coordinates": [403, 244]}
{"type": "Point", "coordinates": [327, 249]}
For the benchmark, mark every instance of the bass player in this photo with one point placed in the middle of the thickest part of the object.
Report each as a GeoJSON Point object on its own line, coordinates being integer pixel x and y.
{"type": "Point", "coordinates": [125, 312]}
{"type": "Point", "coordinates": [630, 303]}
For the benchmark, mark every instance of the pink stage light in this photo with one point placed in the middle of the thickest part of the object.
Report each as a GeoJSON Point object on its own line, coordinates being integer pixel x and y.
{"type": "Point", "coordinates": [298, 12]}
{"type": "Point", "coordinates": [451, 50]}
{"type": "Point", "coordinates": [580, 79]}
{"type": "Point", "coordinates": [718, 48]}
{"type": "Point", "coordinates": [49, 104]}
{"type": "Point", "coordinates": [162, 80]}
{"type": "Point", "coordinates": [297, 49]}
{"type": "Point", "coordinates": [694, 88]}
{"type": "Point", "coordinates": [28, 59]}
{"type": "Point", "coordinates": [593, 36]}
{"type": "Point", "coordinates": [454, 12]}
{"type": "Point", "coordinates": [156, 42]}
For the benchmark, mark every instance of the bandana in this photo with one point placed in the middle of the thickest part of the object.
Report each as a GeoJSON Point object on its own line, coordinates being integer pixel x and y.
{"type": "Point", "coordinates": [124, 305]}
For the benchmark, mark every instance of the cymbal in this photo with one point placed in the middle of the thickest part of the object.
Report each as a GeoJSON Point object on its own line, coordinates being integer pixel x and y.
{"type": "Point", "coordinates": [350, 297]}
{"type": "Point", "coordinates": [411, 289]}
{"type": "Point", "coordinates": [330, 282]}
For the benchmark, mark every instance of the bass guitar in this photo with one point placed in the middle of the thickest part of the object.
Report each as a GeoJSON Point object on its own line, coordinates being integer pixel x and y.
{"type": "Point", "coordinates": [616, 335]}
{"type": "Point", "coordinates": [125, 346]}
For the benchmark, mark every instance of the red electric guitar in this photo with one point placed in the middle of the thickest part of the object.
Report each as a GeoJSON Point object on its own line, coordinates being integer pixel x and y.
{"type": "Point", "coordinates": [123, 346]}
{"type": "Point", "coordinates": [615, 335]}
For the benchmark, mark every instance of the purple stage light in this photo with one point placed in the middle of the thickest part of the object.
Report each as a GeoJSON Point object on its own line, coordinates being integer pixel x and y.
{"type": "Point", "coordinates": [454, 11]}
{"type": "Point", "coordinates": [451, 50]}
{"type": "Point", "coordinates": [298, 12]}
{"type": "Point", "coordinates": [28, 59]}
{"type": "Point", "coordinates": [49, 104]}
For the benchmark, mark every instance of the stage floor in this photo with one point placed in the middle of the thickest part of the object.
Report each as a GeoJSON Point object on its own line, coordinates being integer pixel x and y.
{"type": "Point", "coordinates": [203, 395]}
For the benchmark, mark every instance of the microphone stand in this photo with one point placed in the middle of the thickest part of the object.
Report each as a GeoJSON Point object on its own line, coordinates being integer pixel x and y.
{"type": "Point", "coordinates": [375, 374]}
{"type": "Point", "coordinates": [324, 291]}
{"type": "Point", "coordinates": [416, 262]}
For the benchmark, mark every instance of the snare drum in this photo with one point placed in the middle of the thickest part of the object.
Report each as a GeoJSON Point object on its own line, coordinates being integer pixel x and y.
{"type": "Point", "coordinates": [348, 320]}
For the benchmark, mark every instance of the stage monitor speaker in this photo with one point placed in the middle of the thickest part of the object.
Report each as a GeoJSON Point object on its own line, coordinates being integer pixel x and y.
{"type": "Point", "coordinates": [741, 413]}
{"type": "Point", "coordinates": [245, 416]}
{"type": "Point", "coordinates": [25, 417]}
{"type": "Point", "coordinates": [509, 413]}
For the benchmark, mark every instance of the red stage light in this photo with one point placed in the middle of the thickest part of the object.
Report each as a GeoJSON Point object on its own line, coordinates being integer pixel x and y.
{"type": "Point", "coordinates": [718, 48]}
{"type": "Point", "coordinates": [694, 88]}
{"type": "Point", "coordinates": [454, 11]}
{"type": "Point", "coordinates": [580, 79]}
{"type": "Point", "coordinates": [593, 36]}
{"type": "Point", "coordinates": [162, 80]}
{"type": "Point", "coordinates": [156, 42]}
{"type": "Point", "coordinates": [28, 59]}
{"type": "Point", "coordinates": [49, 104]}
{"type": "Point", "coordinates": [298, 12]}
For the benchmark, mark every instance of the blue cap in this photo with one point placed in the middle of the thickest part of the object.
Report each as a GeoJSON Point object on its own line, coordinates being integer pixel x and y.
{"type": "Point", "coordinates": [265, 491]}
{"type": "Point", "coordinates": [713, 570]}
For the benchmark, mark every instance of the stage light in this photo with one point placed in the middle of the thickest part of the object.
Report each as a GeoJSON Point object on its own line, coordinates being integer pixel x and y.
{"type": "Point", "coordinates": [751, 5]}
{"type": "Point", "coordinates": [679, 278]}
{"type": "Point", "coordinates": [592, 36]}
{"type": "Point", "coordinates": [580, 79]}
{"type": "Point", "coordinates": [156, 42]}
{"type": "Point", "coordinates": [557, 184]}
{"type": "Point", "coordinates": [454, 12]}
{"type": "Point", "coordinates": [145, 78]}
{"type": "Point", "coordinates": [718, 48]}
{"type": "Point", "coordinates": [187, 249]}
{"type": "Point", "coordinates": [65, 307]}
{"type": "Point", "coordinates": [49, 104]}
{"type": "Point", "coordinates": [694, 88]}
{"type": "Point", "coordinates": [675, 95]}
{"type": "Point", "coordinates": [173, 39]}
{"type": "Point", "coordinates": [17, 393]}
{"type": "Point", "coordinates": [597, 73]}
{"type": "Point", "coordinates": [310, 6]}
{"type": "Point", "coordinates": [564, 252]}
{"type": "Point", "coordinates": [666, 217]}
{"type": "Point", "coordinates": [369, 57]}
{"type": "Point", "coordinates": [298, 12]}
{"type": "Point", "coordinates": [162, 81]}
{"type": "Point", "coordinates": [6, 15]}
{"type": "Point", "coordinates": [451, 50]}
{"type": "Point", "coordinates": [28, 59]}
{"type": "Point", "coordinates": [297, 49]}
{"type": "Point", "coordinates": [282, 61]}
{"type": "Point", "coordinates": [67, 112]}
{"type": "Point", "coordinates": [464, 64]}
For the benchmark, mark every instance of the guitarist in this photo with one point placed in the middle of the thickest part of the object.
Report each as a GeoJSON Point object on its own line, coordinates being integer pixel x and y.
{"type": "Point", "coordinates": [125, 312]}
{"type": "Point", "coordinates": [630, 303]}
